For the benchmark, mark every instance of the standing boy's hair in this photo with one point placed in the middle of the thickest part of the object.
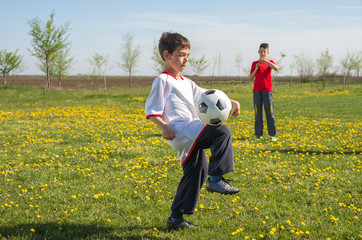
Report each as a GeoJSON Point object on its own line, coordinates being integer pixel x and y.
{"type": "Point", "coordinates": [264, 45]}
{"type": "Point", "coordinates": [170, 41]}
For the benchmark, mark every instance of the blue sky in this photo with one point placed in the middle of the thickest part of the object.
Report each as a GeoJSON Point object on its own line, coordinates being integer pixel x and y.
{"type": "Point", "coordinates": [214, 27]}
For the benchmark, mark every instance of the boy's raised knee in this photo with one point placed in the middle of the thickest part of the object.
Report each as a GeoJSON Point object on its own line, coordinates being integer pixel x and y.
{"type": "Point", "coordinates": [224, 129]}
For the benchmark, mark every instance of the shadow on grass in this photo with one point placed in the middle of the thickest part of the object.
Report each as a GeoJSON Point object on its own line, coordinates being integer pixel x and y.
{"type": "Point", "coordinates": [302, 151]}
{"type": "Point", "coordinates": [316, 152]}
{"type": "Point", "coordinates": [151, 135]}
{"type": "Point", "coordinates": [76, 231]}
{"type": "Point", "coordinates": [242, 138]}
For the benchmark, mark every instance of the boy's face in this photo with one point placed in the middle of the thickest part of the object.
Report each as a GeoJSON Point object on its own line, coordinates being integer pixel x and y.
{"type": "Point", "coordinates": [263, 53]}
{"type": "Point", "coordinates": [176, 62]}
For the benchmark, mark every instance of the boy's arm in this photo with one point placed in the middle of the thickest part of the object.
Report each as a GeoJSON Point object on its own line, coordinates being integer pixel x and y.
{"type": "Point", "coordinates": [235, 111]}
{"type": "Point", "coordinates": [271, 64]}
{"type": "Point", "coordinates": [167, 132]}
{"type": "Point", "coordinates": [252, 75]}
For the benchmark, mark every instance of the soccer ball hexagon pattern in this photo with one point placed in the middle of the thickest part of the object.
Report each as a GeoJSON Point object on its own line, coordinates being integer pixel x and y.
{"type": "Point", "coordinates": [213, 107]}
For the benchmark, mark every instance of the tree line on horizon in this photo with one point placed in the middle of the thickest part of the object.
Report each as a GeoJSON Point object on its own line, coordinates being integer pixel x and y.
{"type": "Point", "coordinates": [51, 47]}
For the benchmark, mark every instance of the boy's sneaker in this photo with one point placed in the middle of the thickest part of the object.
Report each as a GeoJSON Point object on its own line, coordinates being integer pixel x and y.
{"type": "Point", "coordinates": [179, 224]}
{"type": "Point", "coordinates": [273, 139]}
{"type": "Point", "coordinates": [221, 186]}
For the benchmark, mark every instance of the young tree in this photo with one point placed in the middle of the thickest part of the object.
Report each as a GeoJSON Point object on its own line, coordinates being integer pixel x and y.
{"type": "Point", "coordinates": [304, 66]}
{"type": "Point", "coordinates": [291, 66]}
{"type": "Point", "coordinates": [347, 67]}
{"type": "Point", "coordinates": [198, 65]}
{"type": "Point", "coordinates": [217, 62]}
{"type": "Point", "coordinates": [246, 71]}
{"type": "Point", "coordinates": [350, 62]}
{"type": "Point", "coordinates": [158, 63]}
{"type": "Point", "coordinates": [61, 64]}
{"type": "Point", "coordinates": [325, 62]}
{"type": "Point", "coordinates": [99, 62]}
{"type": "Point", "coordinates": [238, 65]}
{"type": "Point", "coordinates": [20, 67]}
{"type": "Point", "coordinates": [356, 62]}
{"type": "Point", "coordinates": [129, 56]}
{"type": "Point", "coordinates": [9, 61]}
{"type": "Point", "coordinates": [47, 40]}
{"type": "Point", "coordinates": [279, 63]}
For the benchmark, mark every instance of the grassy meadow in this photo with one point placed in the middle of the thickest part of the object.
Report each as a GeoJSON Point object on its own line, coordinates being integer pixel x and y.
{"type": "Point", "coordinates": [86, 164]}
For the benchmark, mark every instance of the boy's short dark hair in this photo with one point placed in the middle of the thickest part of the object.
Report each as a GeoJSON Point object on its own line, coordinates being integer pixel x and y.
{"type": "Point", "coordinates": [170, 41]}
{"type": "Point", "coordinates": [264, 45]}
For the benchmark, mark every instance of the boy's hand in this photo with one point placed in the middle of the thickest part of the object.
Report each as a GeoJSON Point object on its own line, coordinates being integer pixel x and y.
{"type": "Point", "coordinates": [168, 133]}
{"type": "Point", "coordinates": [235, 111]}
{"type": "Point", "coordinates": [252, 75]}
{"type": "Point", "coordinates": [270, 64]}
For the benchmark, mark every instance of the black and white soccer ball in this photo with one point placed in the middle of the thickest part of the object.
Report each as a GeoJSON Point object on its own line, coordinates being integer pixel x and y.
{"type": "Point", "coordinates": [213, 107]}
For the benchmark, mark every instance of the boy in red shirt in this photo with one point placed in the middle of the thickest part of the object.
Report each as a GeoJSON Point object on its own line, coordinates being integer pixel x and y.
{"type": "Point", "coordinates": [263, 91]}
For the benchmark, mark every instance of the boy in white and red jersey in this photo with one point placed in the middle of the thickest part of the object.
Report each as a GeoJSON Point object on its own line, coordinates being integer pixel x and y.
{"type": "Point", "coordinates": [171, 106]}
{"type": "Point", "coordinates": [263, 91]}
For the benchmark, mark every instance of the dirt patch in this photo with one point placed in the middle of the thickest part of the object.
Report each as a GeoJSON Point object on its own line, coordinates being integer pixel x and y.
{"type": "Point", "coordinates": [84, 82]}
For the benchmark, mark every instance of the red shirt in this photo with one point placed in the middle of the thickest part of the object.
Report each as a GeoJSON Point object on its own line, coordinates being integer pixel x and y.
{"type": "Point", "coordinates": [263, 79]}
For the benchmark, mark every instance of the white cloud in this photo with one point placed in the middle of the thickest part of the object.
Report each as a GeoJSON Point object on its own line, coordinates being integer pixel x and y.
{"type": "Point", "coordinates": [350, 7]}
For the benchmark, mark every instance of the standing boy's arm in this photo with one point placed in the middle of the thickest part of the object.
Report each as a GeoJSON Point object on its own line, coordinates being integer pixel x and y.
{"type": "Point", "coordinates": [270, 64]}
{"type": "Point", "coordinates": [167, 132]}
{"type": "Point", "coordinates": [252, 75]}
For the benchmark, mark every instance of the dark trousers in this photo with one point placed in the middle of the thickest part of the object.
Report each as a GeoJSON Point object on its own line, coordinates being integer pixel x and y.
{"type": "Point", "coordinates": [264, 98]}
{"type": "Point", "coordinates": [196, 168]}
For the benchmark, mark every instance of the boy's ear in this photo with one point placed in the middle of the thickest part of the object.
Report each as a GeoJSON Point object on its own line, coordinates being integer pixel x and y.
{"type": "Point", "coordinates": [165, 54]}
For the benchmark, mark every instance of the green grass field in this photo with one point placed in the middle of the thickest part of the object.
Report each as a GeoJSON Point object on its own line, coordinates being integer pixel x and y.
{"type": "Point", "coordinates": [86, 164]}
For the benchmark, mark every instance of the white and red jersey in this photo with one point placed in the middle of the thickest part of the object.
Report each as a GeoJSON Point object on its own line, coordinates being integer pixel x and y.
{"type": "Point", "coordinates": [174, 101]}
